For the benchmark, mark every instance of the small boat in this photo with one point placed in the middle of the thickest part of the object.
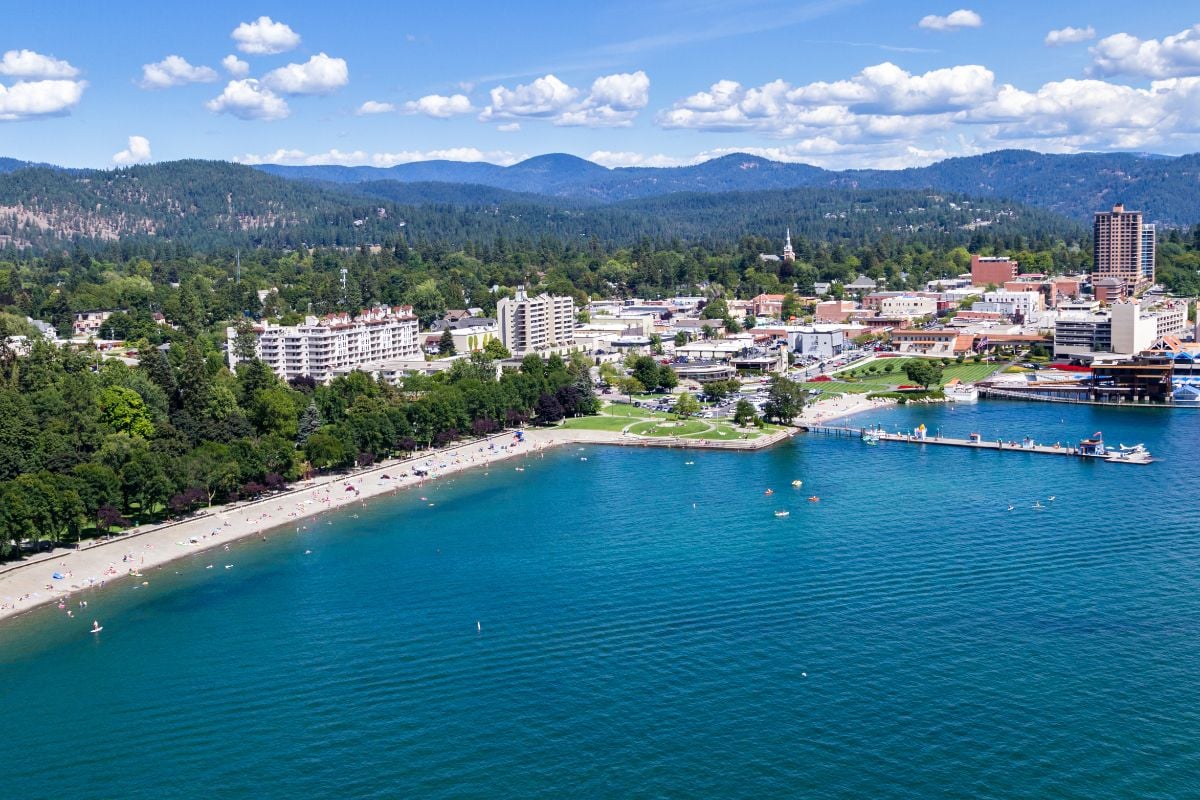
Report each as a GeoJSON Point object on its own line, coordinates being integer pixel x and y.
{"type": "Point", "coordinates": [814, 499]}
{"type": "Point", "coordinates": [769, 492]}
{"type": "Point", "coordinates": [782, 513]}
{"type": "Point", "coordinates": [870, 438]}
{"type": "Point", "coordinates": [96, 626]}
{"type": "Point", "coordinates": [797, 484]}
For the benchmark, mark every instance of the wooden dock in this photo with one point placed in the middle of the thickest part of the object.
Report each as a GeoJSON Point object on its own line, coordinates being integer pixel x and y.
{"type": "Point", "coordinates": [1025, 446]}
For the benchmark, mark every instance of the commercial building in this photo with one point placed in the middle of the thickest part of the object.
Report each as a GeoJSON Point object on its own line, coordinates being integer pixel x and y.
{"type": "Point", "coordinates": [541, 325]}
{"type": "Point", "coordinates": [1124, 247]}
{"type": "Point", "coordinates": [1017, 305]}
{"type": "Point", "coordinates": [469, 333]}
{"type": "Point", "coordinates": [822, 341]}
{"type": "Point", "coordinates": [1126, 329]}
{"type": "Point", "coordinates": [992, 270]}
{"type": "Point", "coordinates": [907, 305]}
{"type": "Point", "coordinates": [940, 342]}
{"type": "Point", "coordinates": [319, 348]}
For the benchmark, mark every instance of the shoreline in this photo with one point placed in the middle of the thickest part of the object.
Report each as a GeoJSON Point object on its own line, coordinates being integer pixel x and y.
{"type": "Point", "coordinates": [28, 585]}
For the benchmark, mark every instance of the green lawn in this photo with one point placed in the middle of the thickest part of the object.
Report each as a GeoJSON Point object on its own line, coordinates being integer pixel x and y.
{"type": "Point", "coordinates": [839, 387]}
{"type": "Point", "coordinates": [600, 423]}
{"type": "Point", "coordinates": [966, 372]}
{"type": "Point", "coordinates": [681, 428]}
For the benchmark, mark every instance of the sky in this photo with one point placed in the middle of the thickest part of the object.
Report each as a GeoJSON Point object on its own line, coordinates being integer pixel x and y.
{"type": "Point", "coordinates": [836, 83]}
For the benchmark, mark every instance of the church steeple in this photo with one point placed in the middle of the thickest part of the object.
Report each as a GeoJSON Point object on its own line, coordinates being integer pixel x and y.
{"type": "Point", "coordinates": [788, 253]}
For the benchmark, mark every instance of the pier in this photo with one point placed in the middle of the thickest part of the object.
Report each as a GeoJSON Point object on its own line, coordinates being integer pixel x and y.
{"type": "Point", "coordinates": [1025, 446]}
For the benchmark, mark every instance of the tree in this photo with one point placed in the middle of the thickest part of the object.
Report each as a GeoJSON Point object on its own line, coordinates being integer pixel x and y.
{"type": "Point", "coordinates": [785, 400]}
{"type": "Point", "coordinates": [548, 409]}
{"type": "Point", "coordinates": [744, 413]}
{"type": "Point", "coordinates": [245, 345]}
{"type": "Point", "coordinates": [656, 344]}
{"type": "Point", "coordinates": [923, 372]}
{"type": "Point", "coordinates": [687, 405]}
{"type": "Point", "coordinates": [324, 450]}
{"type": "Point", "coordinates": [124, 411]}
{"type": "Point", "coordinates": [310, 422]}
{"type": "Point", "coordinates": [719, 390]}
{"type": "Point", "coordinates": [681, 338]}
{"type": "Point", "coordinates": [495, 350]}
{"type": "Point", "coordinates": [446, 343]}
{"type": "Point", "coordinates": [630, 385]}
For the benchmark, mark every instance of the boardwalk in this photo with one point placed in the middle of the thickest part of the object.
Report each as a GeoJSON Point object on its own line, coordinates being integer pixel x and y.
{"type": "Point", "coordinates": [1010, 447]}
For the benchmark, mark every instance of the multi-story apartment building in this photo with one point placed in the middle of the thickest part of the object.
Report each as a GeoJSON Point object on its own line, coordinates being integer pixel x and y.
{"type": "Point", "coordinates": [1124, 247]}
{"type": "Point", "coordinates": [320, 347]}
{"type": "Point", "coordinates": [541, 324]}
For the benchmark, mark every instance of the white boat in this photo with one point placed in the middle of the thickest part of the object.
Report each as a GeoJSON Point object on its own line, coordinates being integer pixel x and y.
{"type": "Point", "coordinates": [782, 513]}
{"type": "Point", "coordinates": [962, 393]}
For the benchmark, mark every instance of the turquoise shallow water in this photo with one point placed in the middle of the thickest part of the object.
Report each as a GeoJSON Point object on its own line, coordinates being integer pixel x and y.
{"type": "Point", "coordinates": [906, 637]}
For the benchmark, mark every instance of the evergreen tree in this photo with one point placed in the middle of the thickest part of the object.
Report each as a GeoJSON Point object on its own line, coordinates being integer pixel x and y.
{"type": "Point", "coordinates": [310, 422]}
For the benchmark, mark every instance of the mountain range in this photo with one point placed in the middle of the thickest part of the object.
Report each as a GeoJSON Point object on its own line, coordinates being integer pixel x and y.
{"type": "Point", "coordinates": [1166, 189]}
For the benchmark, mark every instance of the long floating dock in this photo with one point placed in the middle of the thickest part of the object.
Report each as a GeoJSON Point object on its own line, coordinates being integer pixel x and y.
{"type": "Point", "coordinates": [1007, 447]}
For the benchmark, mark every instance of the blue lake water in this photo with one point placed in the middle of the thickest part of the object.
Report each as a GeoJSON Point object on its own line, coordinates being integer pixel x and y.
{"type": "Point", "coordinates": [649, 628]}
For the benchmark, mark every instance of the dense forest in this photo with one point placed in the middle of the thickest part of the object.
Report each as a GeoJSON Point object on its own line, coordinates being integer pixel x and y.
{"type": "Point", "coordinates": [205, 204]}
{"type": "Point", "coordinates": [1167, 189]}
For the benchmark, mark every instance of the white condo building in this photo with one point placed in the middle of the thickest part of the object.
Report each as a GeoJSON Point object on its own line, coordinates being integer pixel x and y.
{"type": "Point", "coordinates": [541, 325]}
{"type": "Point", "coordinates": [319, 348]}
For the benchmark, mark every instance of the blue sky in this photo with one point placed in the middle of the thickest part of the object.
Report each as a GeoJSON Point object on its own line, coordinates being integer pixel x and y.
{"type": "Point", "coordinates": [839, 83]}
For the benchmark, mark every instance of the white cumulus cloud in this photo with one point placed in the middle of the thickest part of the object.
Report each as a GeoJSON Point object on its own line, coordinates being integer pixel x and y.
{"type": "Point", "coordinates": [544, 97]}
{"type": "Point", "coordinates": [174, 71]}
{"type": "Point", "coordinates": [609, 158]}
{"type": "Point", "coordinates": [374, 107]}
{"type": "Point", "coordinates": [264, 37]}
{"type": "Point", "coordinates": [440, 106]}
{"type": "Point", "coordinates": [362, 157]}
{"type": "Point", "coordinates": [613, 102]}
{"type": "Point", "coordinates": [29, 64]}
{"type": "Point", "coordinates": [321, 74]}
{"type": "Point", "coordinates": [509, 127]}
{"type": "Point", "coordinates": [137, 152]}
{"type": "Point", "coordinates": [249, 99]}
{"type": "Point", "coordinates": [1069, 35]}
{"type": "Point", "coordinates": [32, 99]}
{"type": "Point", "coordinates": [235, 66]}
{"type": "Point", "coordinates": [962, 18]}
{"type": "Point", "coordinates": [1170, 57]}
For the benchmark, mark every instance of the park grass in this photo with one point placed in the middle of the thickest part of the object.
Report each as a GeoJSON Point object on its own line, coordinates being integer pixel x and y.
{"type": "Point", "coordinates": [597, 423]}
{"type": "Point", "coordinates": [840, 387]}
{"type": "Point", "coordinates": [965, 372]}
{"type": "Point", "coordinates": [656, 428]}
{"type": "Point", "coordinates": [629, 412]}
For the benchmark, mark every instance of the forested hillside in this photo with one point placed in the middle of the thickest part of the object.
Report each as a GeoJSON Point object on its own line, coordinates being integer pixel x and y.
{"type": "Point", "coordinates": [203, 205]}
{"type": "Point", "coordinates": [1167, 189]}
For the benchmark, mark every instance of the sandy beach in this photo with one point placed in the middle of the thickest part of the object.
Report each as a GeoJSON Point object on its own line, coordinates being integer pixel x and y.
{"type": "Point", "coordinates": [134, 556]}
{"type": "Point", "coordinates": [833, 408]}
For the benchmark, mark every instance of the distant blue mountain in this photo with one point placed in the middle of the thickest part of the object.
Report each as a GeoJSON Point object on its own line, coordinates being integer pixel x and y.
{"type": "Point", "coordinates": [1166, 188]}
